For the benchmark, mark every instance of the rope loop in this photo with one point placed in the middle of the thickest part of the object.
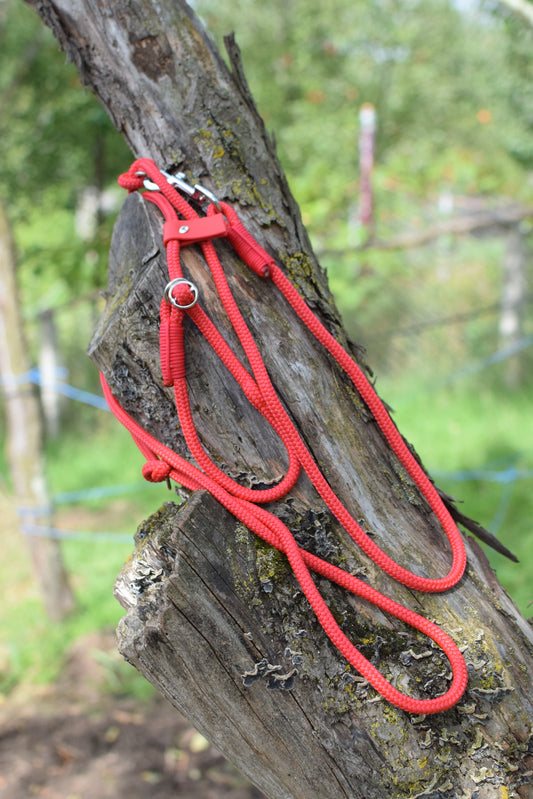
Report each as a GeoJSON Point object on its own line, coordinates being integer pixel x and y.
{"type": "Point", "coordinates": [245, 503]}
{"type": "Point", "coordinates": [156, 471]}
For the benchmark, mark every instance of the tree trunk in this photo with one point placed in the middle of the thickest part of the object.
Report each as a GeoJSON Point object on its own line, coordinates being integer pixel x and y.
{"type": "Point", "coordinates": [24, 447]}
{"type": "Point", "coordinates": [215, 618]}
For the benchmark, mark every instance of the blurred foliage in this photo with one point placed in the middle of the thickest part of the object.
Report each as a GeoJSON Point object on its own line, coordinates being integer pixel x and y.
{"type": "Point", "coordinates": [453, 90]}
{"type": "Point", "coordinates": [453, 87]}
{"type": "Point", "coordinates": [55, 142]}
{"type": "Point", "coordinates": [517, 81]}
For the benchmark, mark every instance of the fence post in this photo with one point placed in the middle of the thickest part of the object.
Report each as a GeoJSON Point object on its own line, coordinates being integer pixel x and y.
{"type": "Point", "coordinates": [48, 371]}
{"type": "Point", "coordinates": [511, 325]}
{"type": "Point", "coordinates": [24, 429]}
{"type": "Point", "coordinates": [367, 138]}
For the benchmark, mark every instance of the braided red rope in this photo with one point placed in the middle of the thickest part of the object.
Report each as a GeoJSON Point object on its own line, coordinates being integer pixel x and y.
{"type": "Point", "coordinates": [180, 299]}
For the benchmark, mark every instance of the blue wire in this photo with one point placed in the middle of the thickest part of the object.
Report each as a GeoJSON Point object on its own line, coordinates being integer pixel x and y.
{"type": "Point", "coordinates": [510, 475]}
{"type": "Point", "coordinates": [44, 531]}
{"type": "Point", "coordinates": [98, 492]}
{"type": "Point", "coordinates": [77, 394]}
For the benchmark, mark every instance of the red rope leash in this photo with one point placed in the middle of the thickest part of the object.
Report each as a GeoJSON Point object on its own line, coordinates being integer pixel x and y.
{"type": "Point", "coordinates": [161, 463]}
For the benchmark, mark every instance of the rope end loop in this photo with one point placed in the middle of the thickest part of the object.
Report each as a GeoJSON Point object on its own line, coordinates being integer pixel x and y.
{"type": "Point", "coordinates": [156, 471]}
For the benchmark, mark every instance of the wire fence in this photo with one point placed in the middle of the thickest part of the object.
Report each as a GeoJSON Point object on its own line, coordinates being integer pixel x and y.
{"type": "Point", "coordinates": [58, 385]}
{"type": "Point", "coordinates": [430, 312]}
{"type": "Point", "coordinates": [29, 517]}
{"type": "Point", "coordinates": [438, 319]}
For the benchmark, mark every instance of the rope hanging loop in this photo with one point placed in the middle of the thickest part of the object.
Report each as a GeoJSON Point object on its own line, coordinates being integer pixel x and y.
{"type": "Point", "coordinates": [182, 226]}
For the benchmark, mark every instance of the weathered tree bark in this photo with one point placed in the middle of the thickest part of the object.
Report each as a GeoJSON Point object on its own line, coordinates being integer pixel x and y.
{"type": "Point", "coordinates": [215, 618]}
{"type": "Point", "coordinates": [24, 434]}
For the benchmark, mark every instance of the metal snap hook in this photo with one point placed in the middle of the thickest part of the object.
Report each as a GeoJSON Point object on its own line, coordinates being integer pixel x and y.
{"type": "Point", "coordinates": [197, 192]}
{"type": "Point", "coordinates": [173, 301]}
{"type": "Point", "coordinates": [203, 194]}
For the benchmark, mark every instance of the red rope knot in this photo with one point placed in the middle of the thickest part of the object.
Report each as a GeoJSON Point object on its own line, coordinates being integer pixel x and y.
{"type": "Point", "coordinates": [156, 471]}
{"type": "Point", "coordinates": [181, 293]}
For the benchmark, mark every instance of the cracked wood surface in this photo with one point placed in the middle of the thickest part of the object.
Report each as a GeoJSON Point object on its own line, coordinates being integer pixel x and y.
{"type": "Point", "coordinates": [209, 608]}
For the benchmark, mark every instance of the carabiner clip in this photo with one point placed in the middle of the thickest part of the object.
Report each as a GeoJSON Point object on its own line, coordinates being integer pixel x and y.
{"type": "Point", "coordinates": [197, 193]}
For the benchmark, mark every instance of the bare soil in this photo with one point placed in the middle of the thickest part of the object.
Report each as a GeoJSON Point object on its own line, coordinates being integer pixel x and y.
{"type": "Point", "coordinates": [74, 740]}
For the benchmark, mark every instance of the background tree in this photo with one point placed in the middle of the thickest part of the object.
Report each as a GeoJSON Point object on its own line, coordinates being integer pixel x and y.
{"type": "Point", "coordinates": [522, 8]}
{"type": "Point", "coordinates": [454, 126]}
{"type": "Point", "coordinates": [25, 437]}
{"type": "Point", "coordinates": [55, 143]}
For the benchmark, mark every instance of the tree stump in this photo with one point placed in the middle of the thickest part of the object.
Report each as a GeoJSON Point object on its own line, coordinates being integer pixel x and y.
{"type": "Point", "coordinates": [214, 617]}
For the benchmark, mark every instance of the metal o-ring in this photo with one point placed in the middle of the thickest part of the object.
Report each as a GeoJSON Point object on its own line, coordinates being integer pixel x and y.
{"type": "Point", "coordinates": [173, 301]}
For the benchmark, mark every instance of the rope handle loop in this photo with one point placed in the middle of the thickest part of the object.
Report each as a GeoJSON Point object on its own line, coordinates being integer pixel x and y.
{"type": "Point", "coordinates": [181, 298]}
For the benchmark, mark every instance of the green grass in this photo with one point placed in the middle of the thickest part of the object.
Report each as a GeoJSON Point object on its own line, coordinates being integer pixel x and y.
{"type": "Point", "coordinates": [472, 425]}
{"type": "Point", "coordinates": [465, 426]}
{"type": "Point", "coordinates": [32, 648]}
{"type": "Point", "coordinates": [99, 454]}
{"type": "Point", "coordinates": [35, 645]}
